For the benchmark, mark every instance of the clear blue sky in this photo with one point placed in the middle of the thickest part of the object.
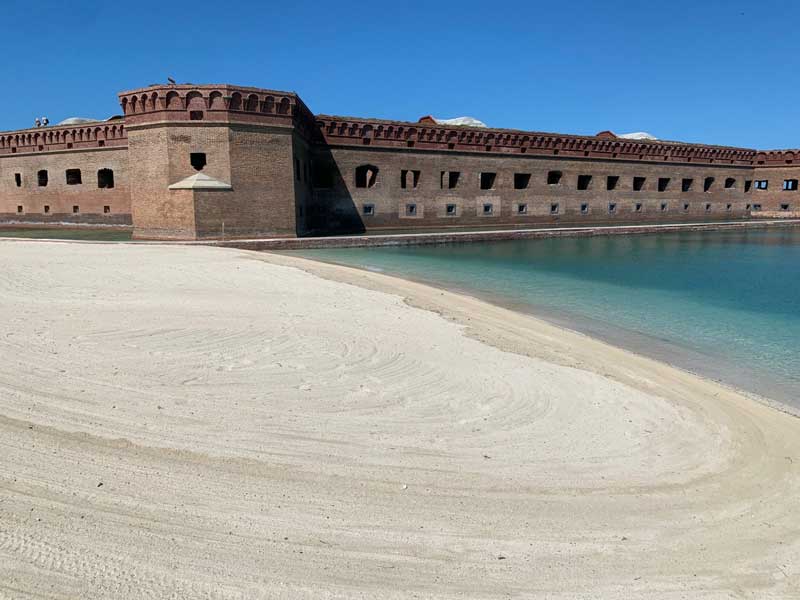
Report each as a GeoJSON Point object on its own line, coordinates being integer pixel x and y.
{"type": "Point", "coordinates": [710, 71]}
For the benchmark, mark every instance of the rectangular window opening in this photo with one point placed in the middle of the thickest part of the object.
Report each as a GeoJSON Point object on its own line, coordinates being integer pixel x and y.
{"type": "Point", "coordinates": [612, 181]}
{"type": "Point", "coordinates": [762, 184]}
{"type": "Point", "coordinates": [707, 183]}
{"type": "Point", "coordinates": [46, 208]}
{"type": "Point", "coordinates": [637, 207]}
{"type": "Point", "coordinates": [450, 210]}
{"type": "Point", "coordinates": [664, 207]}
{"type": "Point", "coordinates": [105, 179]}
{"type": "Point", "coordinates": [553, 177]}
{"type": "Point", "coordinates": [612, 208]}
{"type": "Point", "coordinates": [522, 181]}
{"type": "Point", "coordinates": [730, 183]}
{"type": "Point", "coordinates": [686, 184]}
{"type": "Point", "coordinates": [522, 209]}
{"type": "Point", "coordinates": [784, 207]}
{"type": "Point", "coordinates": [19, 208]}
{"type": "Point", "coordinates": [638, 183]}
{"type": "Point", "coordinates": [198, 160]}
{"type": "Point", "coordinates": [748, 184]}
{"type": "Point", "coordinates": [76, 209]}
{"type": "Point", "coordinates": [450, 179]}
{"type": "Point", "coordinates": [18, 179]}
{"type": "Point", "coordinates": [585, 208]}
{"type": "Point", "coordinates": [368, 210]}
{"type": "Point", "coordinates": [790, 185]}
{"type": "Point", "coordinates": [488, 209]}
{"type": "Point", "coordinates": [74, 177]}
{"type": "Point", "coordinates": [487, 181]}
{"type": "Point", "coordinates": [584, 181]}
{"type": "Point", "coordinates": [42, 178]}
{"type": "Point", "coordinates": [554, 208]}
{"type": "Point", "coordinates": [411, 210]}
{"type": "Point", "coordinates": [106, 209]}
{"type": "Point", "coordinates": [663, 184]}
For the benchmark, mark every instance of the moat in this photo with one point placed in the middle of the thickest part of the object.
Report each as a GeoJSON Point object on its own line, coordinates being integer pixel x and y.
{"type": "Point", "coordinates": [52, 233]}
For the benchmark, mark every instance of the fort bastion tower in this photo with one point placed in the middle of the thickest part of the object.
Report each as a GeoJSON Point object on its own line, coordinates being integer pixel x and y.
{"type": "Point", "coordinates": [217, 161]}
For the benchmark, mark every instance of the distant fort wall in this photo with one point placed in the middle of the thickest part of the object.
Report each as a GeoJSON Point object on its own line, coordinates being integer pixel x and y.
{"type": "Point", "coordinates": [65, 175]}
{"type": "Point", "coordinates": [220, 161]}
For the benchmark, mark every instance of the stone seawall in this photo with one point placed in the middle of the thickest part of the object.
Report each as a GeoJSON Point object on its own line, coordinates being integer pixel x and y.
{"type": "Point", "coordinates": [408, 239]}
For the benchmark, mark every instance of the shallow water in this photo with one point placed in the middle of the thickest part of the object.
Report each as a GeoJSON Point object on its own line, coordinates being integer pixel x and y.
{"type": "Point", "coordinates": [724, 304]}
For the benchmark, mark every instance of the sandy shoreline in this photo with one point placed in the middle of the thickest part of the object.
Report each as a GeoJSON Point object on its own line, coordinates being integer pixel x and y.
{"type": "Point", "coordinates": [262, 430]}
{"type": "Point", "coordinates": [746, 381]}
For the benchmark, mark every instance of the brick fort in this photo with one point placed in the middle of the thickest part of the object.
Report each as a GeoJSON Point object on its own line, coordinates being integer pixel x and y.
{"type": "Point", "coordinates": [193, 162]}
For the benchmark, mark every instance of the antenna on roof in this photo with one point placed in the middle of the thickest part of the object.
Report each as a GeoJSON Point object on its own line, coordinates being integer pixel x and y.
{"type": "Point", "coordinates": [171, 80]}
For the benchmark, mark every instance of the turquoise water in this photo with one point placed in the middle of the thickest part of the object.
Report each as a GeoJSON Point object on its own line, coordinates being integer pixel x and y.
{"type": "Point", "coordinates": [722, 304]}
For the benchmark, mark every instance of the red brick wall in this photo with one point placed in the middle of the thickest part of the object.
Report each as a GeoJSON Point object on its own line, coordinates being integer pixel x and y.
{"type": "Point", "coordinates": [775, 198]}
{"type": "Point", "coordinates": [60, 197]}
{"type": "Point", "coordinates": [161, 156]}
{"type": "Point", "coordinates": [346, 201]}
{"type": "Point", "coordinates": [257, 161]}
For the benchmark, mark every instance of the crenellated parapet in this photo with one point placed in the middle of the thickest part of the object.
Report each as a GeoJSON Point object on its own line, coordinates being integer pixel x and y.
{"type": "Point", "coordinates": [777, 158]}
{"type": "Point", "coordinates": [215, 103]}
{"type": "Point", "coordinates": [397, 134]}
{"type": "Point", "coordinates": [64, 137]}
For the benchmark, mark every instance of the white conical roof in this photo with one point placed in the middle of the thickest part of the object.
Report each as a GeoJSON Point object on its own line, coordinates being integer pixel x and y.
{"type": "Point", "coordinates": [200, 181]}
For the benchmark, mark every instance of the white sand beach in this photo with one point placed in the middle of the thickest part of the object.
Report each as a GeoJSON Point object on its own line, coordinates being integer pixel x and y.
{"type": "Point", "coordinates": [193, 422]}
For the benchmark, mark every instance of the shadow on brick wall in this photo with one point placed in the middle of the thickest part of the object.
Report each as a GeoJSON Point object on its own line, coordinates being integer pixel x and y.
{"type": "Point", "coordinates": [331, 210]}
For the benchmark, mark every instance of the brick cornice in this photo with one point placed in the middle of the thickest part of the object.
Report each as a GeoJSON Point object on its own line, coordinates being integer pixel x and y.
{"type": "Point", "coordinates": [110, 133]}
{"type": "Point", "coordinates": [347, 131]}
{"type": "Point", "coordinates": [216, 103]}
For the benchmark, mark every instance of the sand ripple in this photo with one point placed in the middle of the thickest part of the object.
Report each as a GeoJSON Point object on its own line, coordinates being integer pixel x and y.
{"type": "Point", "coordinates": [261, 431]}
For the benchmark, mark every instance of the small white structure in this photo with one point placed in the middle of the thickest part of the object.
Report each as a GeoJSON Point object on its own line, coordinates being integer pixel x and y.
{"type": "Point", "coordinates": [200, 181]}
{"type": "Point", "coordinates": [77, 121]}
{"type": "Point", "coordinates": [638, 135]}
{"type": "Point", "coordinates": [461, 121]}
